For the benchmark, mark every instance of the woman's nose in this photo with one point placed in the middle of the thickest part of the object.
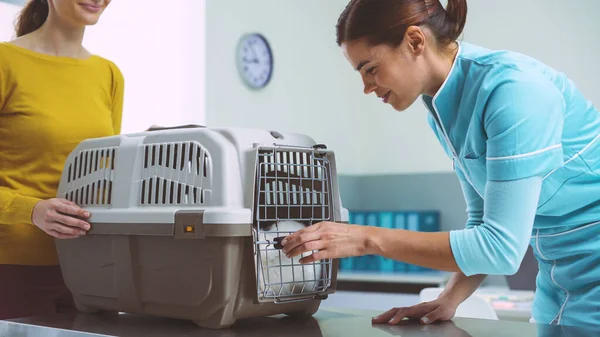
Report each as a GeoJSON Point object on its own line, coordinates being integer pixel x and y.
{"type": "Point", "coordinates": [369, 88]}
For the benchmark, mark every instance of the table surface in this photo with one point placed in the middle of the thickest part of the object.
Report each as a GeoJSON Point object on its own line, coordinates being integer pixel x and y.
{"type": "Point", "coordinates": [326, 322]}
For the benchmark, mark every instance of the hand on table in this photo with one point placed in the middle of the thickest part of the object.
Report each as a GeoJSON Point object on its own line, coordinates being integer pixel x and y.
{"type": "Point", "coordinates": [440, 309]}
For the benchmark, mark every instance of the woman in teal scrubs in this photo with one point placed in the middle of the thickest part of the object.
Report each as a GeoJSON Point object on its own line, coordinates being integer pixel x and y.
{"type": "Point", "coordinates": [525, 145]}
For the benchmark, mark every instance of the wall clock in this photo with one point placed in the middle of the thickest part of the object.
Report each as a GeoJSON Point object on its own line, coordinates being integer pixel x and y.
{"type": "Point", "coordinates": [254, 60]}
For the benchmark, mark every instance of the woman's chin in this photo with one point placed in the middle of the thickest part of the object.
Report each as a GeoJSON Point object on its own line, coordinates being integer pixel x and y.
{"type": "Point", "coordinates": [401, 105]}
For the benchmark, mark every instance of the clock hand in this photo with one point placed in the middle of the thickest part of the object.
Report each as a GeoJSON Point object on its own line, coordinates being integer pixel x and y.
{"type": "Point", "coordinates": [255, 60]}
{"type": "Point", "coordinates": [250, 60]}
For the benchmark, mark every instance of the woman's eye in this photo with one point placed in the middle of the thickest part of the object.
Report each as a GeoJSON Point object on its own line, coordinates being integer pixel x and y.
{"type": "Point", "coordinates": [370, 71]}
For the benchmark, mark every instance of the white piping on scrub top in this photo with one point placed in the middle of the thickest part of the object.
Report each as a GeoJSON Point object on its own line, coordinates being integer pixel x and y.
{"type": "Point", "coordinates": [575, 156]}
{"type": "Point", "coordinates": [558, 316]}
{"type": "Point", "coordinates": [529, 154]}
{"type": "Point", "coordinates": [441, 125]}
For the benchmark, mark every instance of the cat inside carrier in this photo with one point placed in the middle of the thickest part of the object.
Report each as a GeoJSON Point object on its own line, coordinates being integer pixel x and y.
{"type": "Point", "coordinates": [187, 223]}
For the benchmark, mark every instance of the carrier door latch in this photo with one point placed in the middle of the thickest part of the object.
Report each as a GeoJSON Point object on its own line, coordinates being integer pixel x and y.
{"type": "Point", "coordinates": [277, 242]}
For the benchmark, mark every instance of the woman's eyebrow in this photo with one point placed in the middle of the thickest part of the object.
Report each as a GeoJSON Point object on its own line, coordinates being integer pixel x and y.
{"type": "Point", "coordinates": [361, 64]}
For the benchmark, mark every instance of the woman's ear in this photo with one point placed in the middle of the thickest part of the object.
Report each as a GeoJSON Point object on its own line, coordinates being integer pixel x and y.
{"type": "Point", "coordinates": [415, 40]}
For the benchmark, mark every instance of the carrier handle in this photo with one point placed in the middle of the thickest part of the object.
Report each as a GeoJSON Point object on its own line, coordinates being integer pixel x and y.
{"type": "Point", "coordinates": [186, 126]}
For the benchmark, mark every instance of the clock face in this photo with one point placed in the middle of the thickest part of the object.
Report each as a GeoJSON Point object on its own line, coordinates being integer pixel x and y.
{"type": "Point", "coordinates": [255, 60]}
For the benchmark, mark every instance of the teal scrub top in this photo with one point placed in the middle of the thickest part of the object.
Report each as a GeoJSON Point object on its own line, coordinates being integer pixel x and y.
{"type": "Point", "coordinates": [504, 116]}
{"type": "Point", "coordinates": [525, 145]}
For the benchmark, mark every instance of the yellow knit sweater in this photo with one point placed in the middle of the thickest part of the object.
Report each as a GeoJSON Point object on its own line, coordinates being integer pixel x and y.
{"type": "Point", "coordinates": [48, 104]}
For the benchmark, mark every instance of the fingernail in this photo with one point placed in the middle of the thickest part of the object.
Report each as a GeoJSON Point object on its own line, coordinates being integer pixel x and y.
{"type": "Point", "coordinates": [82, 233]}
{"type": "Point", "coordinates": [284, 241]}
{"type": "Point", "coordinates": [87, 214]}
{"type": "Point", "coordinates": [425, 320]}
{"type": "Point", "coordinates": [87, 227]}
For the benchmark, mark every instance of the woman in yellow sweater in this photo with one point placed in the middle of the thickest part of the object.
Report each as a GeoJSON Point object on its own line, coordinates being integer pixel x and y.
{"type": "Point", "coordinates": [53, 94]}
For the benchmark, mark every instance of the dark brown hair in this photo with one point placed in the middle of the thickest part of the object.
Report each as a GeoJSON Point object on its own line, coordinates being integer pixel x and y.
{"type": "Point", "coordinates": [32, 17]}
{"type": "Point", "coordinates": [386, 21]}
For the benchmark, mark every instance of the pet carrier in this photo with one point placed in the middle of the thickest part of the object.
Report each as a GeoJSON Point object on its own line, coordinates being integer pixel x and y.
{"type": "Point", "coordinates": [186, 223]}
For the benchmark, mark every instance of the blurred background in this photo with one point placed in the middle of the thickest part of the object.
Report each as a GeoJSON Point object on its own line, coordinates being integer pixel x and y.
{"type": "Point", "coordinates": [179, 62]}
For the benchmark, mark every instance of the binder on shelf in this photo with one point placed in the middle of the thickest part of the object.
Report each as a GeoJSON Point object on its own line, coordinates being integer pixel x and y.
{"type": "Point", "coordinates": [423, 221]}
{"type": "Point", "coordinates": [428, 221]}
{"type": "Point", "coordinates": [372, 261]}
{"type": "Point", "coordinates": [359, 261]}
{"type": "Point", "coordinates": [386, 220]}
{"type": "Point", "coordinates": [347, 263]}
{"type": "Point", "coordinates": [400, 223]}
{"type": "Point", "coordinates": [412, 224]}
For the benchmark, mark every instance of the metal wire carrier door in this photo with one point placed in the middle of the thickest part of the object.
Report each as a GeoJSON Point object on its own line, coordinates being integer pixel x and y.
{"type": "Point", "coordinates": [293, 184]}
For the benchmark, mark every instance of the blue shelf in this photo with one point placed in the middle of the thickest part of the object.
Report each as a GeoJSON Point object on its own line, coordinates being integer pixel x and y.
{"type": "Point", "coordinates": [421, 220]}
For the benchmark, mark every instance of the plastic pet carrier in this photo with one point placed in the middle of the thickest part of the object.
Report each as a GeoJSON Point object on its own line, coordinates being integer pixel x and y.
{"type": "Point", "coordinates": [186, 223]}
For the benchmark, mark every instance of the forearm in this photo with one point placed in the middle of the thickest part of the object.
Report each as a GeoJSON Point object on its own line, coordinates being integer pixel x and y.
{"type": "Point", "coordinates": [497, 246]}
{"type": "Point", "coordinates": [430, 250]}
{"type": "Point", "coordinates": [15, 208]}
{"type": "Point", "coordinates": [460, 287]}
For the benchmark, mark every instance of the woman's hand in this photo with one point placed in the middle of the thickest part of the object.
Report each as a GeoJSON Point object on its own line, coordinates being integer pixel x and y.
{"type": "Point", "coordinates": [58, 218]}
{"type": "Point", "coordinates": [329, 239]}
{"type": "Point", "coordinates": [441, 309]}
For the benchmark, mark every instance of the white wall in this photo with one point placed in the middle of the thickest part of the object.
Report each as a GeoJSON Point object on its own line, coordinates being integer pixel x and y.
{"type": "Point", "coordinates": [315, 91]}
{"type": "Point", "coordinates": [159, 47]}
{"type": "Point", "coordinates": [161, 51]}
{"type": "Point", "coordinates": [8, 15]}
